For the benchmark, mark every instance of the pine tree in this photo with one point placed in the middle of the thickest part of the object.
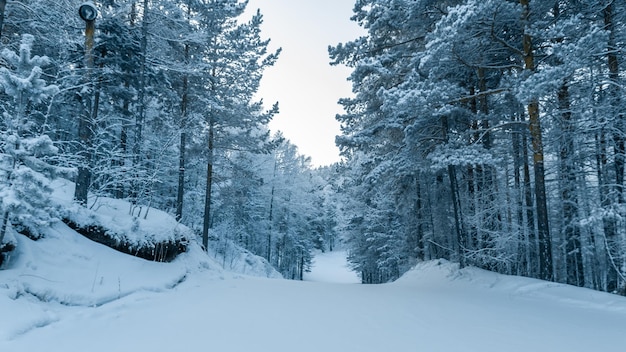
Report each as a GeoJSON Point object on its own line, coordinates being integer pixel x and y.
{"type": "Point", "coordinates": [235, 57]}
{"type": "Point", "coordinates": [25, 171]}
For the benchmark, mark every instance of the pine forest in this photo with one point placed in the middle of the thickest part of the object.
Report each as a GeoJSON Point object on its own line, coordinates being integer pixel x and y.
{"type": "Point", "coordinates": [488, 133]}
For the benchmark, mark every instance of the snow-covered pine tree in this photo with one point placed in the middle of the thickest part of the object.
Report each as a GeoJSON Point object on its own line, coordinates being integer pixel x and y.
{"type": "Point", "coordinates": [378, 141]}
{"type": "Point", "coordinates": [24, 170]}
{"type": "Point", "coordinates": [235, 57]}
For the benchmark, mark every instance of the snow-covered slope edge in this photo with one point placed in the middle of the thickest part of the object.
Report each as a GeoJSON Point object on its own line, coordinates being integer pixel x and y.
{"type": "Point", "coordinates": [65, 269]}
{"type": "Point", "coordinates": [125, 225]}
{"type": "Point", "coordinates": [442, 273]}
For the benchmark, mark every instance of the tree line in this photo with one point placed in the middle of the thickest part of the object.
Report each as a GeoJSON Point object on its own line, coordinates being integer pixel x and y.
{"type": "Point", "coordinates": [159, 109]}
{"type": "Point", "coordinates": [490, 133]}
{"type": "Point", "coordinates": [485, 132]}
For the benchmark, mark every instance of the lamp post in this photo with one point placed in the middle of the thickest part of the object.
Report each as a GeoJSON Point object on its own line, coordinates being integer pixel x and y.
{"type": "Point", "coordinates": [88, 12]}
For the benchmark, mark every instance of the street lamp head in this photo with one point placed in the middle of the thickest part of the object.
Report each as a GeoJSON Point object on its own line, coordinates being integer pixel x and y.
{"type": "Point", "coordinates": [88, 11]}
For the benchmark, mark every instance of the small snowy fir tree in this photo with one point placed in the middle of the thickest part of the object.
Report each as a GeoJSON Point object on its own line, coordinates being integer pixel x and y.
{"type": "Point", "coordinates": [24, 172]}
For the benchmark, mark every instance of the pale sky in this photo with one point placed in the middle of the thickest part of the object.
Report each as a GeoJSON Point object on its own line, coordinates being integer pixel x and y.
{"type": "Point", "coordinates": [306, 87]}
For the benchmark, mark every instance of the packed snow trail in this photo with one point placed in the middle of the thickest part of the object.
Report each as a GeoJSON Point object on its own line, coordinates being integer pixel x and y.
{"type": "Point", "coordinates": [331, 267]}
{"type": "Point", "coordinates": [143, 306]}
{"type": "Point", "coordinates": [250, 314]}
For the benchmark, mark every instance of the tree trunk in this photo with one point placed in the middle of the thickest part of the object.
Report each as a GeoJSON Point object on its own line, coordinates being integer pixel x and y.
{"type": "Point", "coordinates": [85, 122]}
{"type": "Point", "coordinates": [614, 90]}
{"type": "Point", "coordinates": [473, 172]}
{"type": "Point", "coordinates": [3, 4]}
{"type": "Point", "coordinates": [522, 259]}
{"type": "Point", "coordinates": [271, 215]}
{"type": "Point", "coordinates": [141, 109]}
{"type": "Point", "coordinates": [541, 203]}
{"type": "Point", "coordinates": [119, 189]}
{"type": "Point", "coordinates": [613, 276]}
{"type": "Point", "coordinates": [461, 240]}
{"type": "Point", "coordinates": [183, 143]}
{"type": "Point", "coordinates": [532, 245]}
{"type": "Point", "coordinates": [126, 114]}
{"type": "Point", "coordinates": [569, 199]}
{"type": "Point", "coordinates": [419, 215]}
{"type": "Point", "coordinates": [209, 183]}
{"type": "Point", "coordinates": [5, 225]}
{"type": "Point", "coordinates": [180, 193]}
{"type": "Point", "coordinates": [608, 223]}
{"type": "Point", "coordinates": [486, 185]}
{"type": "Point", "coordinates": [483, 105]}
{"type": "Point", "coordinates": [458, 221]}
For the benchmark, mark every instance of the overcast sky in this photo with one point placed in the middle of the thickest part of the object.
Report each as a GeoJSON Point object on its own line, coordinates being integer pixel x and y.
{"type": "Point", "coordinates": [302, 81]}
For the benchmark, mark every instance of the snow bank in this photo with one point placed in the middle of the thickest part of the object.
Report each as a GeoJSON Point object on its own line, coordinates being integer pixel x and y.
{"type": "Point", "coordinates": [133, 226]}
{"type": "Point", "coordinates": [442, 273]}
{"type": "Point", "coordinates": [65, 272]}
{"type": "Point", "coordinates": [66, 269]}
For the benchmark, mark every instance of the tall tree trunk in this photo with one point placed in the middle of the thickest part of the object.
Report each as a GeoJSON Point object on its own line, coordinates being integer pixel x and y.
{"type": "Point", "coordinates": [569, 199]}
{"type": "Point", "coordinates": [458, 217]}
{"type": "Point", "coordinates": [608, 281]}
{"type": "Point", "coordinates": [486, 177]}
{"type": "Point", "coordinates": [522, 251]}
{"type": "Point", "coordinates": [543, 229]}
{"type": "Point", "coordinates": [209, 184]}
{"type": "Point", "coordinates": [126, 116]}
{"type": "Point", "coordinates": [271, 215]}
{"type": "Point", "coordinates": [419, 217]}
{"type": "Point", "coordinates": [614, 91]}
{"type": "Point", "coordinates": [461, 240]}
{"type": "Point", "coordinates": [613, 278]}
{"type": "Point", "coordinates": [180, 193]}
{"type": "Point", "coordinates": [183, 137]}
{"type": "Point", "coordinates": [85, 122]}
{"type": "Point", "coordinates": [141, 99]}
{"type": "Point", "coordinates": [142, 81]}
{"type": "Point", "coordinates": [532, 248]}
{"type": "Point", "coordinates": [473, 171]}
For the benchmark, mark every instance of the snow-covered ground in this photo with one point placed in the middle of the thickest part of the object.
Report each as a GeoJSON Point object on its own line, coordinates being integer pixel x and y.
{"type": "Point", "coordinates": [65, 293]}
{"type": "Point", "coordinates": [331, 267]}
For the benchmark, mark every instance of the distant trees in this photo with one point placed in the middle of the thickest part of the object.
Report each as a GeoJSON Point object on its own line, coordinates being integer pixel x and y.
{"type": "Point", "coordinates": [276, 206]}
{"type": "Point", "coordinates": [487, 132]}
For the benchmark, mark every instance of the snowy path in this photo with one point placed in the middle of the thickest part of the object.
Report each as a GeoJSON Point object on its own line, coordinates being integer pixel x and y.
{"type": "Point", "coordinates": [204, 314]}
{"type": "Point", "coordinates": [433, 308]}
{"type": "Point", "coordinates": [331, 267]}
